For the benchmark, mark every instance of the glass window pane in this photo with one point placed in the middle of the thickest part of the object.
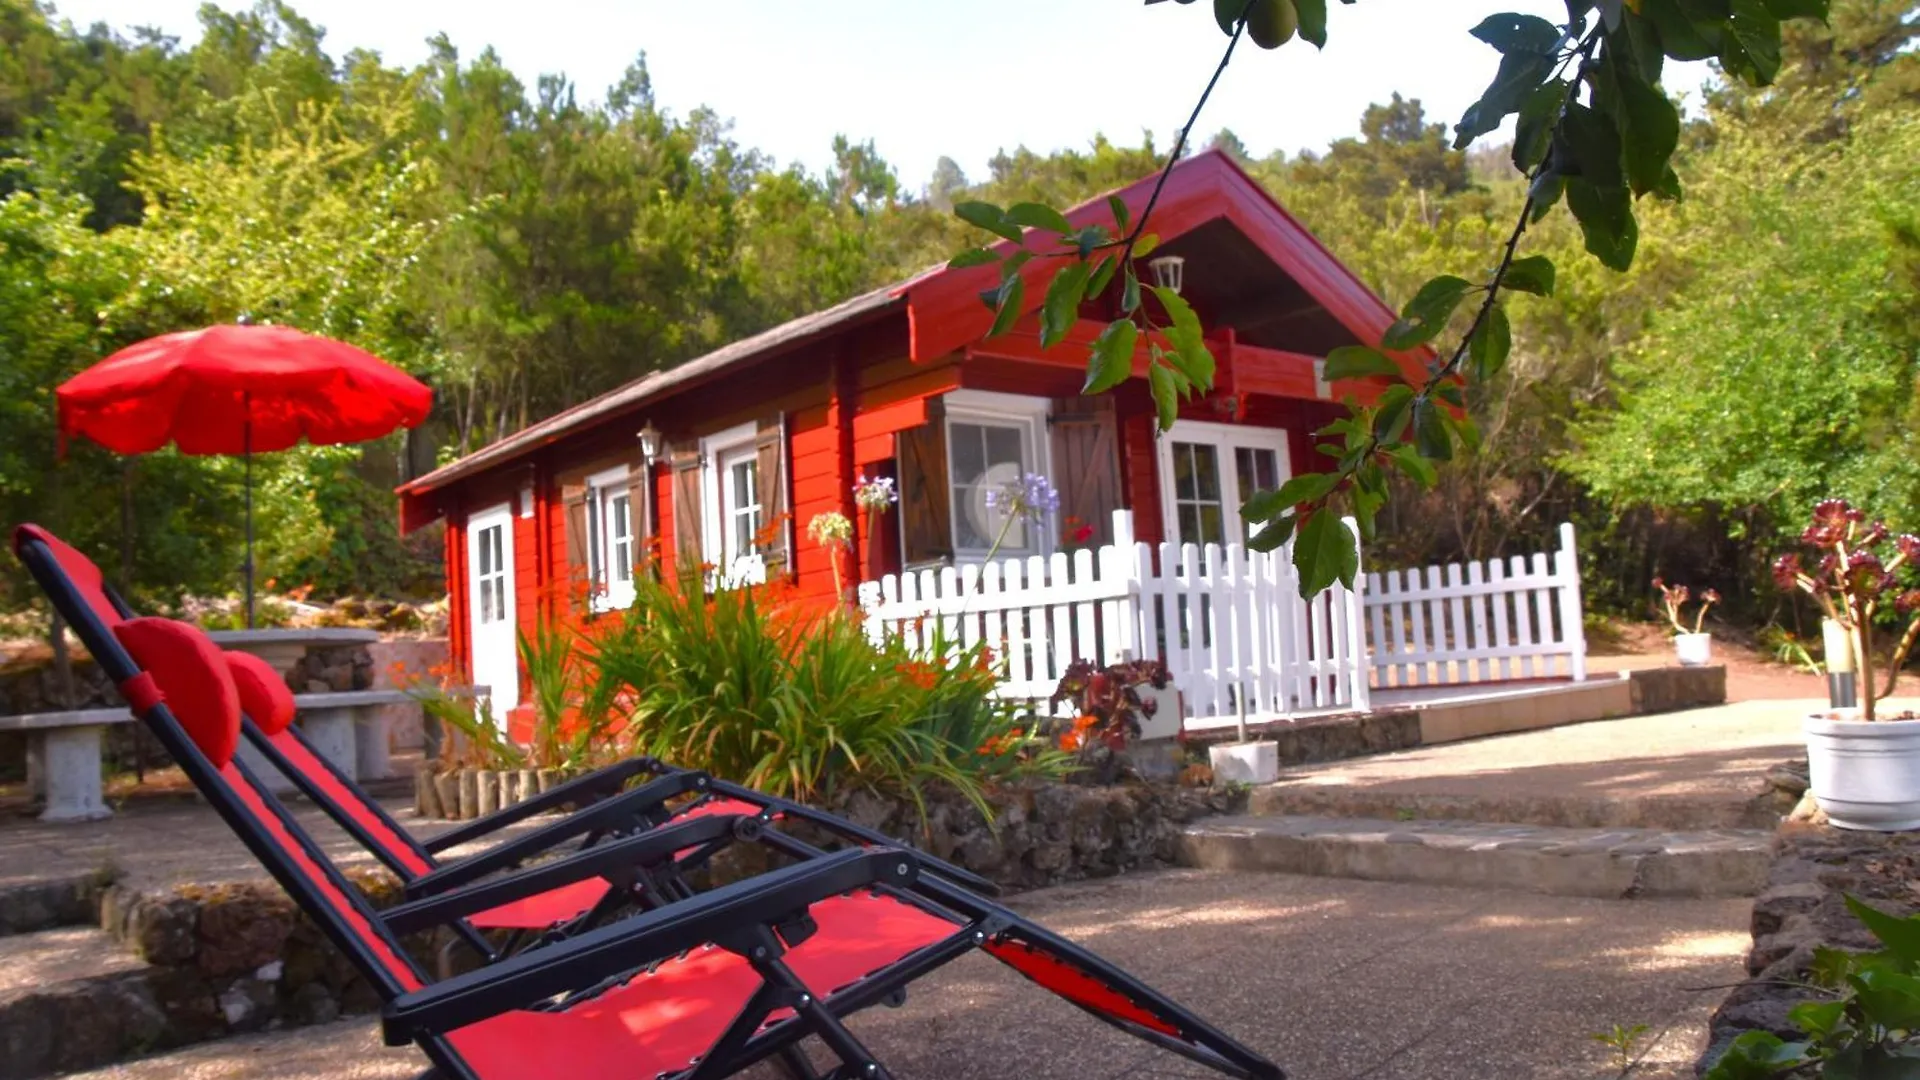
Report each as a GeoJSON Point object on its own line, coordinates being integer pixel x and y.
{"type": "Point", "coordinates": [1003, 447]}
{"type": "Point", "coordinates": [1189, 524]}
{"type": "Point", "coordinates": [1183, 470]}
{"type": "Point", "coordinates": [969, 451]}
{"type": "Point", "coordinates": [1257, 470]}
{"type": "Point", "coordinates": [1206, 471]}
{"type": "Point", "coordinates": [1211, 531]}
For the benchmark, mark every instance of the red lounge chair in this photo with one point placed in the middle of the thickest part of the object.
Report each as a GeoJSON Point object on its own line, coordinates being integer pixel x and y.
{"type": "Point", "coordinates": [703, 987]}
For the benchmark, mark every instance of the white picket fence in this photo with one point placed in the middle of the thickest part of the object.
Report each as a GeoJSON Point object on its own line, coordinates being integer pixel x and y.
{"type": "Point", "coordinates": [1514, 619]}
{"type": "Point", "coordinates": [1227, 622]}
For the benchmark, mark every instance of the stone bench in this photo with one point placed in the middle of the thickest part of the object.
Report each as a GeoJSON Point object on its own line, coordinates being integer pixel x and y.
{"type": "Point", "coordinates": [63, 759]}
{"type": "Point", "coordinates": [63, 748]}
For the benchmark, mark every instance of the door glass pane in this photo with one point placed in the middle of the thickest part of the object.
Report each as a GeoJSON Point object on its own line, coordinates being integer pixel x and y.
{"type": "Point", "coordinates": [1257, 469]}
{"type": "Point", "coordinates": [1198, 510]}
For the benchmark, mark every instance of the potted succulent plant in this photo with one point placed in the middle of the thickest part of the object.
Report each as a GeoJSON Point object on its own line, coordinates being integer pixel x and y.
{"type": "Point", "coordinates": [1693, 647]}
{"type": "Point", "coordinates": [1864, 767]}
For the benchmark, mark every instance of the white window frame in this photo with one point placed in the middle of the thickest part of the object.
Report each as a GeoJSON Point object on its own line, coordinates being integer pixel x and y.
{"type": "Point", "coordinates": [1022, 411]}
{"type": "Point", "coordinates": [603, 489]}
{"type": "Point", "coordinates": [1225, 438]}
{"type": "Point", "coordinates": [718, 452]}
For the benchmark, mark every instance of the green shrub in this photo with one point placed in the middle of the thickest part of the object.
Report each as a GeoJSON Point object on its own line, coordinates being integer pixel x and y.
{"type": "Point", "coordinates": [758, 687]}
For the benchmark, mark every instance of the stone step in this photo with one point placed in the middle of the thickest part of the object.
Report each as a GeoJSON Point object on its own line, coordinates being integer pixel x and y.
{"type": "Point", "coordinates": [72, 998]}
{"type": "Point", "coordinates": [1570, 811]}
{"type": "Point", "coordinates": [1611, 863]}
{"type": "Point", "coordinates": [39, 903]}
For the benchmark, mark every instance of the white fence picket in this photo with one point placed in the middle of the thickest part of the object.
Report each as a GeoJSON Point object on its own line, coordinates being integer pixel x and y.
{"type": "Point", "coordinates": [1229, 623]}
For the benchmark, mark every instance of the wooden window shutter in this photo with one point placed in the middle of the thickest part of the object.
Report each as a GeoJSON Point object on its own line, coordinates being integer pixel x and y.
{"type": "Point", "coordinates": [687, 514]}
{"type": "Point", "coordinates": [573, 497]}
{"type": "Point", "coordinates": [926, 496]}
{"type": "Point", "coordinates": [1086, 465]}
{"type": "Point", "coordinates": [776, 502]}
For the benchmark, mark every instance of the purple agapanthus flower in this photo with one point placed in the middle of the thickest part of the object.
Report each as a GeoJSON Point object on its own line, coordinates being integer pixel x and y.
{"type": "Point", "coordinates": [874, 494]}
{"type": "Point", "coordinates": [1032, 496]}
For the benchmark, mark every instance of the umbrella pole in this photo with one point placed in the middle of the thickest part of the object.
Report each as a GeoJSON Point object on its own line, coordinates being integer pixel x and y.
{"type": "Point", "coordinates": [246, 442]}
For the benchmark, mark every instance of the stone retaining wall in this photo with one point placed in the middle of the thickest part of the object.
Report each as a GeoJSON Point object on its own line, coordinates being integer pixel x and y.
{"type": "Point", "coordinates": [1802, 908]}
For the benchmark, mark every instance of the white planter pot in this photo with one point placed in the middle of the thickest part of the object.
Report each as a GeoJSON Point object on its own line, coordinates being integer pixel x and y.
{"type": "Point", "coordinates": [1865, 775]}
{"type": "Point", "coordinates": [1244, 763]}
{"type": "Point", "coordinates": [1165, 721]}
{"type": "Point", "coordinates": [1694, 650]}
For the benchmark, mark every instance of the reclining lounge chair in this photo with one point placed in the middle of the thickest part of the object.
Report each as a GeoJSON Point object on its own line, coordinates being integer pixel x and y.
{"type": "Point", "coordinates": [701, 987]}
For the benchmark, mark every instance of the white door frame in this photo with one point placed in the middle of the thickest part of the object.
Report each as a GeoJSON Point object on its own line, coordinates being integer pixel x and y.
{"type": "Point", "coordinates": [495, 641]}
{"type": "Point", "coordinates": [1226, 438]}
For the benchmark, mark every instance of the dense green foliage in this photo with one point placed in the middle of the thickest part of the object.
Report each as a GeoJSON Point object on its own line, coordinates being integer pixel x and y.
{"type": "Point", "coordinates": [522, 250]}
{"type": "Point", "coordinates": [798, 700]}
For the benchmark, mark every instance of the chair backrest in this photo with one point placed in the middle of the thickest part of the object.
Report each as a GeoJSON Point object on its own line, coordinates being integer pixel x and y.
{"type": "Point", "coordinates": [76, 588]}
{"type": "Point", "coordinates": [343, 800]}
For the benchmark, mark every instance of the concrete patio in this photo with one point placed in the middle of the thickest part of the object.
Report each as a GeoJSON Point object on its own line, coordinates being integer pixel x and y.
{"type": "Point", "coordinates": [1331, 978]}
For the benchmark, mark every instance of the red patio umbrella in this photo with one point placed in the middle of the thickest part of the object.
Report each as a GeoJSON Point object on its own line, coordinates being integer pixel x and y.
{"type": "Point", "coordinates": [236, 390]}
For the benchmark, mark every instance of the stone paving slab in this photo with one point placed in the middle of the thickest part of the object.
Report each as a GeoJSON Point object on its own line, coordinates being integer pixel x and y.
{"type": "Point", "coordinates": [1619, 863]}
{"type": "Point", "coordinates": [1334, 979]}
{"type": "Point", "coordinates": [32, 961]}
{"type": "Point", "coordinates": [1707, 763]}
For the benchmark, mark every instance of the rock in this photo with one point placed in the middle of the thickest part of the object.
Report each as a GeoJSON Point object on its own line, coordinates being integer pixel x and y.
{"type": "Point", "coordinates": [1808, 811]}
{"type": "Point", "coordinates": [311, 1004]}
{"type": "Point", "coordinates": [1773, 906]}
{"type": "Point", "coordinates": [247, 1004]}
{"type": "Point", "coordinates": [242, 930]}
{"type": "Point", "coordinates": [161, 931]}
{"type": "Point", "coordinates": [317, 686]}
{"type": "Point", "coordinates": [1051, 856]}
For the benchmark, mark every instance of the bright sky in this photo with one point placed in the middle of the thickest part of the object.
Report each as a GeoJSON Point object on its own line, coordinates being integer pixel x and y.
{"type": "Point", "coordinates": [923, 78]}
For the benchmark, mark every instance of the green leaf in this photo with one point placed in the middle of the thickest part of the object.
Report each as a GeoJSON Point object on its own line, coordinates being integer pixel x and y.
{"type": "Point", "coordinates": [1390, 412]}
{"type": "Point", "coordinates": [1798, 9]}
{"type": "Point", "coordinates": [1305, 488]}
{"type": "Point", "coordinates": [1888, 999]}
{"type": "Point", "coordinates": [1519, 75]}
{"type": "Point", "coordinates": [1130, 292]}
{"type": "Point", "coordinates": [1324, 552]}
{"type": "Point", "coordinates": [1430, 433]}
{"type": "Point", "coordinates": [1187, 337]}
{"type": "Point", "coordinates": [1118, 206]}
{"type": "Point", "coordinates": [1545, 192]}
{"type": "Point", "coordinates": [1417, 468]}
{"type": "Point", "coordinates": [1273, 534]}
{"type": "Point", "coordinates": [1751, 46]}
{"type": "Point", "coordinates": [1427, 313]}
{"type": "Point", "coordinates": [1532, 274]}
{"type": "Point", "coordinates": [1145, 246]}
{"type": "Point", "coordinates": [1757, 1055]}
{"type": "Point", "coordinates": [1680, 36]}
{"type": "Point", "coordinates": [1061, 309]}
{"type": "Point", "coordinates": [1511, 32]}
{"type": "Point", "coordinates": [971, 257]}
{"type": "Point", "coordinates": [1533, 132]}
{"type": "Point", "coordinates": [1358, 362]}
{"type": "Point", "coordinates": [987, 216]}
{"type": "Point", "coordinates": [1013, 294]}
{"type": "Point", "coordinates": [1313, 21]}
{"type": "Point", "coordinates": [1011, 264]}
{"type": "Point", "coordinates": [1166, 396]}
{"type": "Point", "coordinates": [1039, 216]}
{"type": "Point", "coordinates": [1650, 131]}
{"type": "Point", "coordinates": [1101, 277]}
{"type": "Point", "coordinates": [1112, 359]}
{"type": "Point", "coordinates": [1491, 344]}
{"type": "Point", "coordinates": [1227, 13]}
{"type": "Point", "coordinates": [1463, 428]}
{"type": "Point", "coordinates": [1606, 220]}
{"type": "Point", "coordinates": [1817, 1018]}
{"type": "Point", "coordinates": [1594, 144]}
{"type": "Point", "coordinates": [1899, 936]}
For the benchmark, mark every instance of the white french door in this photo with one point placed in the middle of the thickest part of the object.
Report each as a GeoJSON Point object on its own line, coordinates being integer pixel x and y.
{"type": "Point", "coordinates": [490, 615]}
{"type": "Point", "coordinates": [1208, 470]}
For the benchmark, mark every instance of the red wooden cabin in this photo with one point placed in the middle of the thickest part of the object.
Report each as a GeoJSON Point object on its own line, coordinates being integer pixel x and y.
{"type": "Point", "coordinates": [756, 438]}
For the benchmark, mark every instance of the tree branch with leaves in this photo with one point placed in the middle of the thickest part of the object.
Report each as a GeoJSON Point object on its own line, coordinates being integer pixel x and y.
{"type": "Point", "coordinates": [1593, 127]}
